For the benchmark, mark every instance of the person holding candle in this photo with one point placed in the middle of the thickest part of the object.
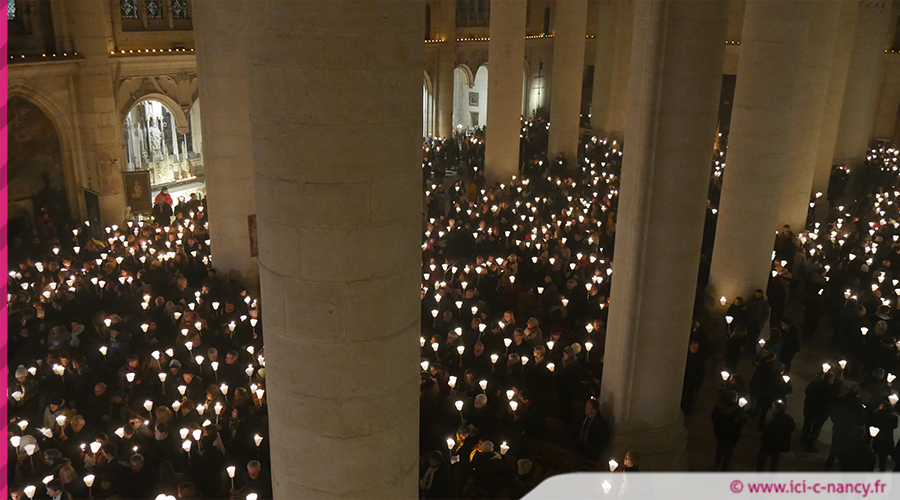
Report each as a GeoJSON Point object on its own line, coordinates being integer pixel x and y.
{"type": "Point", "coordinates": [592, 433]}
{"type": "Point", "coordinates": [757, 316]}
{"type": "Point", "coordinates": [776, 437]}
{"type": "Point", "coordinates": [885, 421]}
{"type": "Point", "coordinates": [728, 419]}
{"type": "Point", "coordinates": [847, 415]}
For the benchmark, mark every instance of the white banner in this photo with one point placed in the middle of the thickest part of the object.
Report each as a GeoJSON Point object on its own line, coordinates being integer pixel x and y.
{"type": "Point", "coordinates": [715, 486]}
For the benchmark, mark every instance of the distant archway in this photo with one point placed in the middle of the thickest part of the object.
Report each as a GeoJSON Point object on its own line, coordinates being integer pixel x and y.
{"type": "Point", "coordinates": [36, 173]}
{"type": "Point", "coordinates": [469, 97]}
{"type": "Point", "coordinates": [427, 106]}
{"type": "Point", "coordinates": [160, 138]}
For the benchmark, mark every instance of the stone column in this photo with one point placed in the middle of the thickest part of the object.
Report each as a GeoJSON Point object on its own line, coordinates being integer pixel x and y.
{"type": "Point", "coordinates": [220, 34]}
{"type": "Point", "coordinates": [837, 81]}
{"type": "Point", "coordinates": [759, 146]}
{"type": "Point", "coordinates": [604, 55]}
{"type": "Point", "coordinates": [568, 72]}
{"type": "Point", "coordinates": [857, 123]}
{"type": "Point", "coordinates": [336, 145]}
{"type": "Point", "coordinates": [101, 124]}
{"type": "Point", "coordinates": [446, 30]}
{"type": "Point", "coordinates": [818, 55]}
{"type": "Point", "coordinates": [618, 99]}
{"type": "Point", "coordinates": [679, 49]}
{"type": "Point", "coordinates": [506, 60]}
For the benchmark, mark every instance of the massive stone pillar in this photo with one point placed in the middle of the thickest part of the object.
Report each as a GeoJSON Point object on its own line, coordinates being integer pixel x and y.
{"type": "Point", "coordinates": [101, 125]}
{"type": "Point", "coordinates": [445, 20]}
{"type": "Point", "coordinates": [759, 145]}
{"type": "Point", "coordinates": [837, 81]}
{"type": "Point", "coordinates": [818, 56]}
{"type": "Point", "coordinates": [336, 145]}
{"type": "Point", "coordinates": [679, 48]}
{"type": "Point", "coordinates": [857, 123]}
{"type": "Point", "coordinates": [618, 98]}
{"type": "Point", "coordinates": [220, 35]}
{"type": "Point", "coordinates": [604, 55]}
{"type": "Point", "coordinates": [506, 59]}
{"type": "Point", "coordinates": [568, 72]}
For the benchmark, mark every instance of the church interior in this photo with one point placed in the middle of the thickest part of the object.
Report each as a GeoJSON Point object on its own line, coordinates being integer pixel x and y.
{"type": "Point", "coordinates": [618, 235]}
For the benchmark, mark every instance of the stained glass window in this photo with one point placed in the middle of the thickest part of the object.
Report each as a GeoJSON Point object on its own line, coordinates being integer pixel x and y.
{"type": "Point", "coordinates": [11, 10]}
{"type": "Point", "coordinates": [154, 9]}
{"type": "Point", "coordinates": [179, 9]}
{"type": "Point", "coordinates": [129, 9]}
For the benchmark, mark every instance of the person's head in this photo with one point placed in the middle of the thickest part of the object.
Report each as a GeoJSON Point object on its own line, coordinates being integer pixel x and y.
{"type": "Point", "coordinates": [778, 407]}
{"type": "Point", "coordinates": [480, 401]}
{"type": "Point", "coordinates": [77, 423]}
{"type": "Point", "coordinates": [161, 430]}
{"type": "Point", "coordinates": [188, 377]}
{"type": "Point", "coordinates": [67, 474]}
{"type": "Point", "coordinates": [54, 488]}
{"type": "Point", "coordinates": [136, 462]}
{"type": "Point", "coordinates": [254, 468]}
{"type": "Point", "coordinates": [758, 293]}
{"type": "Point", "coordinates": [486, 447]}
{"type": "Point", "coordinates": [518, 335]}
{"type": "Point", "coordinates": [524, 467]}
{"type": "Point", "coordinates": [447, 316]}
{"type": "Point", "coordinates": [513, 360]}
{"type": "Point", "coordinates": [631, 459]}
{"type": "Point", "coordinates": [478, 350]}
{"type": "Point", "coordinates": [231, 357]}
{"type": "Point", "coordinates": [435, 459]}
{"type": "Point", "coordinates": [694, 346]}
{"type": "Point", "coordinates": [539, 352]}
{"type": "Point", "coordinates": [186, 489]}
{"type": "Point", "coordinates": [109, 450]}
{"type": "Point", "coordinates": [100, 389]}
{"type": "Point", "coordinates": [592, 407]}
{"type": "Point", "coordinates": [532, 323]}
{"type": "Point", "coordinates": [509, 318]}
{"type": "Point", "coordinates": [786, 324]}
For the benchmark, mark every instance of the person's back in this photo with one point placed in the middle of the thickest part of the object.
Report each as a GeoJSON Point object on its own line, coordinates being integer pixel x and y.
{"type": "Point", "coordinates": [776, 436]}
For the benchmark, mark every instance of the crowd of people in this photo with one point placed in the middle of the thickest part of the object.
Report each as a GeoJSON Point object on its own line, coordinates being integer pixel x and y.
{"type": "Point", "coordinates": [515, 298]}
{"type": "Point", "coordinates": [137, 371]}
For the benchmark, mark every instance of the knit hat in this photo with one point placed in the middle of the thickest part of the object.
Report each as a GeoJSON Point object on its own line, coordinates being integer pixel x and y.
{"type": "Point", "coordinates": [570, 351]}
{"type": "Point", "coordinates": [174, 363]}
{"type": "Point", "coordinates": [21, 371]}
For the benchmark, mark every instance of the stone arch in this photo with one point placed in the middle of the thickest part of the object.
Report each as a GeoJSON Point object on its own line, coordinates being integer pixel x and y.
{"type": "Point", "coordinates": [68, 141]}
{"type": "Point", "coordinates": [182, 123]}
{"type": "Point", "coordinates": [468, 74]}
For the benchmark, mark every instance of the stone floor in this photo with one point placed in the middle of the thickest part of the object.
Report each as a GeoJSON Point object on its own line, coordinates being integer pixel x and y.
{"type": "Point", "coordinates": [806, 366]}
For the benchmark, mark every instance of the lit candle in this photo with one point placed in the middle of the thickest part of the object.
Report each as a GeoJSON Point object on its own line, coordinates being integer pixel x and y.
{"type": "Point", "coordinates": [613, 465]}
{"type": "Point", "coordinates": [873, 431]}
{"type": "Point", "coordinates": [452, 381]}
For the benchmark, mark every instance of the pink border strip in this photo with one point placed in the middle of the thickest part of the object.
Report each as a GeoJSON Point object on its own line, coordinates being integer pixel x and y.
{"type": "Point", "coordinates": [4, 241]}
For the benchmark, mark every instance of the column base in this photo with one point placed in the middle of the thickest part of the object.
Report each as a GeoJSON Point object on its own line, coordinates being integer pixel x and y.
{"type": "Point", "coordinates": [660, 449]}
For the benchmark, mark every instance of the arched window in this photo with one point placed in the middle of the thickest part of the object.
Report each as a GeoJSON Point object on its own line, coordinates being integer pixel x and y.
{"type": "Point", "coordinates": [129, 9]}
{"type": "Point", "coordinates": [179, 9]}
{"type": "Point", "coordinates": [154, 9]}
